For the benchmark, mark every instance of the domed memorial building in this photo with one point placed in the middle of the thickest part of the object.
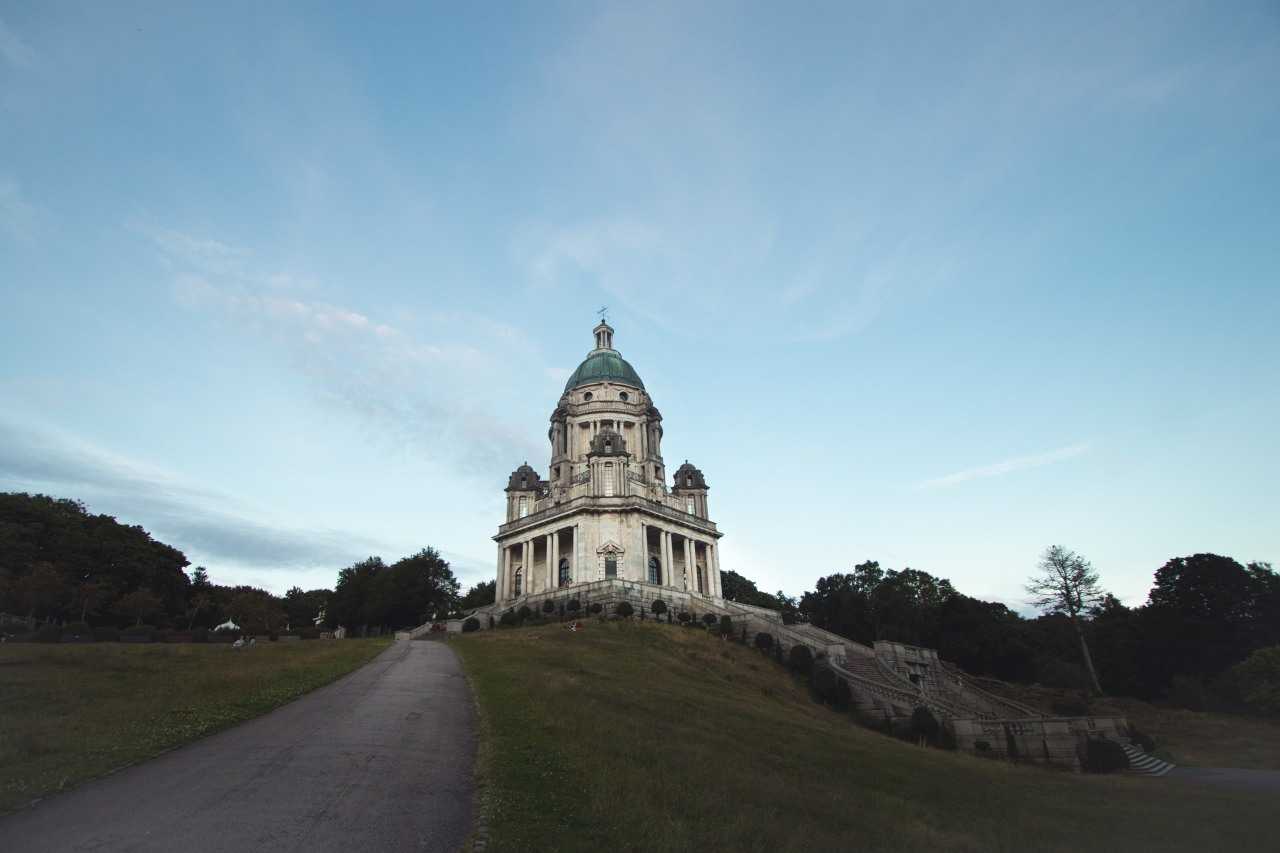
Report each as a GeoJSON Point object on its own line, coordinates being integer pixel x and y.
{"type": "Point", "coordinates": [605, 511]}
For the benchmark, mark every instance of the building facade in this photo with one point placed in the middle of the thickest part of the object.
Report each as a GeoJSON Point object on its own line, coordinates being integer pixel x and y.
{"type": "Point", "coordinates": [605, 511]}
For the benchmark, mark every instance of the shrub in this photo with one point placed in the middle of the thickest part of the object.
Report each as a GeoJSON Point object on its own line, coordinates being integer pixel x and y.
{"type": "Point", "coordinates": [1143, 741]}
{"type": "Point", "coordinates": [764, 641]}
{"type": "Point", "coordinates": [490, 621]}
{"type": "Point", "coordinates": [106, 634]}
{"type": "Point", "coordinates": [1070, 708]}
{"type": "Point", "coordinates": [624, 610]}
{"type": "Point", "coordinates": [524, 612]}
{"type": "Point", "coordinates": [683, 617]}
{"type": "Point", "coordinates": [138, 634]}
{"type": "Point", "coordinates": [1104, 756]}
{"type": "Point", "coordinates": [709, 619]}
{"type": "Point", "coordinates": [273, 636]}
{"type": "Point", "coordinates": [658, 607]}
{"type": "Point", "coordinates": [842, 697]}
{"type": "Point", "coordinates": [788, 618]}
{"type": "Point", "coordinates": [548, 606]}
{"type": "Point", "coordinates": [177, 637]}
{"type": "Point", "coordinates": [800, 659]}
{"type": "Point", "coordinates": [48, 634]}
{"type": "Point", "coordinates": [313, 633]}
{"type": "Point", "coordinates": [573, 606]}
{"type": "Point", "coordinates": [508, 620]}
{"type": "Point", "coordinates": [726, 625]}
{"type": "Point", "coordinates": [596, 607]}
{"type": "Point", "coordinates": [201, 635]}
{"type": "Point", "coordinates": [924, 724]}
{"type": "Point", "coordinates": [1258, 679]}
{"type": "Point", "coordinates": [1187, 691]}
{"type": "Point", "coordinates": [471, 624]}
{"type": "Point", "coordinates": [78, 631]}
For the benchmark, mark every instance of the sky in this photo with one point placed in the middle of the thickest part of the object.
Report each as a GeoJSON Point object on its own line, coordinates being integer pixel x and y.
{"type": "Point", "coordinates": [938, 285]}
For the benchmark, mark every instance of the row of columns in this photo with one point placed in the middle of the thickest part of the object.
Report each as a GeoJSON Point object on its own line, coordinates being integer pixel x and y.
{"type": "Point", "coordinates": [550, 578]}
{"type": "Point", "coordinates": [666, 553]}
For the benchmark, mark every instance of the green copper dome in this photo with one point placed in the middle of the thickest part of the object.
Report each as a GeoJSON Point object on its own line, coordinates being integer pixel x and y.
{"type": "Point", "coordinates": [604, 366]}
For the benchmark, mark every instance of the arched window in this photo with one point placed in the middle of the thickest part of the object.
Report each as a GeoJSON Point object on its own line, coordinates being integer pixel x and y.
{"type": "Point", "coordinates": [565, 579]}
{"type": "Point", "coordinates": [689, 506]}
{"type": "Point", "coordinates": [608, 479]}
{"type": "Point", "coordinates": [587, 396]}
{"type": "Point", "coordinates": [517, 583]}
{"type": "Point", "coordinates": [655, 570]}
{"type": "Point", "coordinates": [524, 507]}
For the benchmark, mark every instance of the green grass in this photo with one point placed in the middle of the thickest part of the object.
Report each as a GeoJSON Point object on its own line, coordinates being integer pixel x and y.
{"type": "Point", "coordinates": [648, 737]}
{"type": "Point", "coordinates": [72, 712]}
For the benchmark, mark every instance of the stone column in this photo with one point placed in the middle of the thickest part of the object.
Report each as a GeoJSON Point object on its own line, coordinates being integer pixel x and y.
{"type": "Point", "coordinates": [553, 550]}
{"type": "Point", "coordinates": [690, 563]}
{"type": "Point", "coordinates": [504, 571]}
{"type": "Point", "coordinates": [526, 560]}
{"type": "Point", "coordinates": [713, 563]}
{"type": "Point", "coordinates": [668, 562]}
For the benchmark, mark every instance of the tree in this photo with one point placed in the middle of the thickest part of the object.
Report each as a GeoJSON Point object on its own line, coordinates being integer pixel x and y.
{"type": "Point", "coordinates": [737, 588]}
{"type": "Point", "coordinates": [1067, 584]}
{"type": "Point", "coordinates": [658, 607]}
{"type": "Point", "coordinates": [199, 603]}
{"type": "Point", "coordinates": [88, 596]}
{"type": "Point", "coordinates": [42, 591]}
{"type": "Point", "coordinates": [480, 595]}
{"type": "Point", "coordinates": [140, 605]}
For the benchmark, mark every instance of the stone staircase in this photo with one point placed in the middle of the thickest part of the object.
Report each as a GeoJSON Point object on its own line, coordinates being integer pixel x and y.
{"type": "Point", "coordinates": [1141, 764]}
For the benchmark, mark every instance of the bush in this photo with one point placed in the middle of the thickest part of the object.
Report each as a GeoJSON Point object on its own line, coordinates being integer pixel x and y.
{"type": "Point", "coordinates": [313, 633]}
{"type": "Point", "coordinates": [1257, 678]}
{"type": "Point", "coordinates": [1143, 741]}
{"type": "Point", "coordinates": [201, 635]}
{"type": "Point", "coordinates": [471, 624]}
{"type": "Point", "coordinates": [596, 607]}
{"type": "Point", "coordinates": [830, 688]}
{"type": "Point", "coordinates": [508, 620]}
{"type": "Point", "coordinates": [138, 634]}
{"type": "Point", "coordinates": [764, 641]}
{"type": "Point", "coordinates": [658, 607]}
{"type": "Point", "coordinates": [78, 631]}
{"type": "Point", "coordinates": [48, 634]}
{"type": "Point", "coordinates": [624, 610]}
{"type": "Point", "coordinates": [1070, 708]}
{"type": "Point", "coordinates": [548, 606]}
{"type": "Point", "coordinates": [1188, 692]}
{"type": "Point", "coordinates": [1053, 672]}
{"type": "Point", "coordinates": [683, 617]}
{"type": "Point", "coordinates": [573, 606]}
{"type": "Point", "coordinates": [800, 659]}
{"type": "Point", "coordinates": [106, 634]}
{"type": "Point", "coordinates": [524, 612]}
{"type": "Point", "coordinates": [709, 619]}
{"type": "Point", "coordinates": [1104, 756]}
{"type": "Point", "coordinates": [726, 625]}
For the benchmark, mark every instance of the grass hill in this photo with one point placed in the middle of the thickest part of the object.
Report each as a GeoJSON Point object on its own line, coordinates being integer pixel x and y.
{"type": "Point", "coordinates": [636, 736]}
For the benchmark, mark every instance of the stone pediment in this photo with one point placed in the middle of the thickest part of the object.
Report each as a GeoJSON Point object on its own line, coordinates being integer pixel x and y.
{"type": "Point", "coordinates": [610, 547]}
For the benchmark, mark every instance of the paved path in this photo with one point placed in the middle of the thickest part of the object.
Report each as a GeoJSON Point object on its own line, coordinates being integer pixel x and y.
{"type": "Point", "coordinates": [379, 760]}
{"type": "Point", "coordinates": [1230, 777]}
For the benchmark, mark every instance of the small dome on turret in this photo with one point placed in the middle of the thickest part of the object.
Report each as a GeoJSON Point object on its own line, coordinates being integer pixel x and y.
{"type": "Point", "coordinates": [524, 479]}
{"type": "Point", "coordinates": [689, 477]}
{"type": "Point", "coordinates": [604, 364]}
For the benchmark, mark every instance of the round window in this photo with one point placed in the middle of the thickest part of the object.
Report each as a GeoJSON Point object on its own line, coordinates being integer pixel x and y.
{"type": "Point", "coordinates": [587, 396]}
{"type": "Point", "coordinates": [623, 397]}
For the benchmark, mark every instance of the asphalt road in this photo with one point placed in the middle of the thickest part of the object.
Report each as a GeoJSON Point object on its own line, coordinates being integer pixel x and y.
{"type": "Point", "coordinates": [379, 760]}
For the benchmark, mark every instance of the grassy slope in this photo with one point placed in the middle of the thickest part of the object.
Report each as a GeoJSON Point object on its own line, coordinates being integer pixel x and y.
{"type": "Point", "coordinates": [72, 712]}
{"type": "Point", "coordinates": [648, 737]}
{"type": "Point", "coordinates": [1191, 738]}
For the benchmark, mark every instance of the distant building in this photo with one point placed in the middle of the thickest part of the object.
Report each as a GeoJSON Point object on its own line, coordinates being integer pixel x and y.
{"type": "Point", "coordinates": [605, 510]}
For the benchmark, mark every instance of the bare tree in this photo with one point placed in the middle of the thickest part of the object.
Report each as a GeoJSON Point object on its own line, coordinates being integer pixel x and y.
{"type": "Point", "coordinates": [1067, 584]}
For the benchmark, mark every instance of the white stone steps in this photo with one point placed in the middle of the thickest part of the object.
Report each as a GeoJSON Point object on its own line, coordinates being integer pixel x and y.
{"type": "Point", "coordinates": [1141, 764]}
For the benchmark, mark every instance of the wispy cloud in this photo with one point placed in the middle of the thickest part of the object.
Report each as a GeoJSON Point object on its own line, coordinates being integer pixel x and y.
{"type": "Point", "coordinates": [1008, 466]}
{"type": "Point", "coordinates": [205, 523]}
{"type": "Point", "coordinates": [13, 49]}
{"type": "Point", "coordinates": [416, 386]}
{"type": "Point", "coordinates": [17, 215]}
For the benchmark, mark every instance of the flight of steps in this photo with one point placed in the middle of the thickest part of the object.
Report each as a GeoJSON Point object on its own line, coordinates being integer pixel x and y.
{"type": "Point", "coordinates": [1141, 764]}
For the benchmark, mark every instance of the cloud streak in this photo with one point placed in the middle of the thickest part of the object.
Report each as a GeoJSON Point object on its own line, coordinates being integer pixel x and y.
{"type": "Point", "coordinates": [204, 522]}
{"type": "Point", "coordinates": [1008, 466]}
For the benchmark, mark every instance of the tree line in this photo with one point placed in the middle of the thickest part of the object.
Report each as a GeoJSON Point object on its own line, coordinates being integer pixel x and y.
{"type": "Point", "coordinates": [1204, 615]}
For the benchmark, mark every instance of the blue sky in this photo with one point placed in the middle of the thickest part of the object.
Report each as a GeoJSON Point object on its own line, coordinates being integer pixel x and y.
{"type": "Point", "coordinates": [934, 284]}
